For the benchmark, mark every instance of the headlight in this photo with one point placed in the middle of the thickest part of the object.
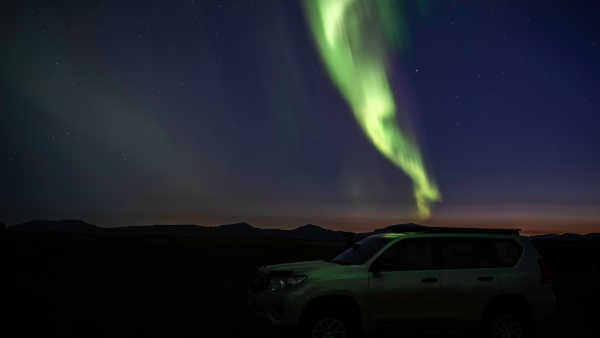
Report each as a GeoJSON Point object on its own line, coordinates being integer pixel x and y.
{"type": "Point", "coordinates": [289, 282]}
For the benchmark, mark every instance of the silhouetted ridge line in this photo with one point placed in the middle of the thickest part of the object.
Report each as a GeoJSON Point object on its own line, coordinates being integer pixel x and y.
{"type": "Point", "coordinates": [67, 225]}
{"type": "Point", "coordinates": [241, 229]}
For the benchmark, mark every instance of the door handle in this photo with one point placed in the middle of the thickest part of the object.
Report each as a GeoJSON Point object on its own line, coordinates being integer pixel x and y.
{"type": "Point", "coordinates": [485, 278]}
{"type": "Point", "coordinates": [429, 280]}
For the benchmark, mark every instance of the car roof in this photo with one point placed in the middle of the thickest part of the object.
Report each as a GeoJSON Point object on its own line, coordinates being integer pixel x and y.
{"type": "Point", "coordinates": [396, 235]}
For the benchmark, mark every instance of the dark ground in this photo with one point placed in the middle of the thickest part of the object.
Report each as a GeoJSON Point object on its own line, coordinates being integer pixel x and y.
{"type": "Point", "coordinates": [125, 285]}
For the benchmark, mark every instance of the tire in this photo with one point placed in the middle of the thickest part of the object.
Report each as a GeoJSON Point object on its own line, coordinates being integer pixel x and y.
{"type": "Point", "coordinates": [330, 324]}
{"type": "Point", "coordinates": [508, 325]}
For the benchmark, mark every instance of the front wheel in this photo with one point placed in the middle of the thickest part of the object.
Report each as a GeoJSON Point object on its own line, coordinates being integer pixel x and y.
{"type": "Point", "coordinates": [329, 325]}
{"type": "Point", "coordinates": [507, 325]}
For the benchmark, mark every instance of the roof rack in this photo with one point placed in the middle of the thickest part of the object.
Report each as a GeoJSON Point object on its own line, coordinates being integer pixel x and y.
{"type": "Point", "coordinates": [428, 229]}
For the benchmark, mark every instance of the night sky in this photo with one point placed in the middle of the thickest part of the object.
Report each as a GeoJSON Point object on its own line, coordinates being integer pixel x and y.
{"type": "Point", "coordinates": [212, 112]}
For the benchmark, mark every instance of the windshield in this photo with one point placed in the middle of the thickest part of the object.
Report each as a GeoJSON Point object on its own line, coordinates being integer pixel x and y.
{"type": "Point", "coordinates": [361, 251]}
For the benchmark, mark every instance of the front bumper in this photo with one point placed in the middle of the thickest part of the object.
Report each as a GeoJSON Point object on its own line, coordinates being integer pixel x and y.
{"type": "Point", "coordinates": [276, 308]}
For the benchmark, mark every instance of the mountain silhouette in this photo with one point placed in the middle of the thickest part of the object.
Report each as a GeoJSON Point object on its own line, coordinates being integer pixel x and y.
{"type": "Point", "coordinates": [242, 229]}
{"type": "Point", "coordinates": [314, 232]}
{"type": "Point", "coordinates": [67, 225]}
{"type": "Point", "coordinates": [568, 236]}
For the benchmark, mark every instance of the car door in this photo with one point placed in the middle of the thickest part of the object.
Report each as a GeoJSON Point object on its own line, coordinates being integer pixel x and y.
{"type": "Point", "coordinates": [403, 286]}
{"type": "Point", "coordinates": [470, 277]}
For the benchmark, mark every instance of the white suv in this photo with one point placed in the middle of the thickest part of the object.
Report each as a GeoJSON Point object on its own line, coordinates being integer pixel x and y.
{"type": "Point", "coordinates": [433, 279]}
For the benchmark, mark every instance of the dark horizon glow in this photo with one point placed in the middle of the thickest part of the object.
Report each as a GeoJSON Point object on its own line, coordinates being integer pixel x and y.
{"type": "Point", "coordinates": [528, 226]}
{"type": "Point", "coordinates": [214, 112]}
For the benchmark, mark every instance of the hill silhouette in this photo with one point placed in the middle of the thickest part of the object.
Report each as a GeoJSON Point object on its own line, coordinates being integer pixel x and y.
{"type": "Point", "coordinates": [67, 225]}
{"type": "Point", "coordinates": [241, 229]}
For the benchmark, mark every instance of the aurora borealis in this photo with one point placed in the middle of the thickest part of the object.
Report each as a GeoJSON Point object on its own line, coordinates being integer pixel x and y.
{"type": "Point", "coordinates": [354, 52]}
{"type": "Point", "coordinates": [282, 113]}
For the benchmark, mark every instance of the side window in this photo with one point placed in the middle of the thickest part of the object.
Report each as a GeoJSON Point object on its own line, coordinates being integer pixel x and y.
{"type": "Point", "coordinates": [474, 253]}
{"type": "Point", "coordinates": [507, 252]}
{"type": "Point", "coordinates": [408, 254]}
{"type": "Point", "coordinates": [459, 253]}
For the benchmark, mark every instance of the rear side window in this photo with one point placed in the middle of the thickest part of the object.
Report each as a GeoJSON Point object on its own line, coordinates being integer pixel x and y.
{"type": "Point", "coordinates": [507, 252]}
{"type": "Point", "coordinates": [459, 253]}
{"type": "Point", "coordinates": [474, 253]}
{"type": "Point", "coordinates": [408, 254]}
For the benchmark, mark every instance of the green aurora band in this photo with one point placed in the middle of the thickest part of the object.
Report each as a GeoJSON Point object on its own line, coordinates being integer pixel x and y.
{"type": "Point", "coordinates": [351, 36]}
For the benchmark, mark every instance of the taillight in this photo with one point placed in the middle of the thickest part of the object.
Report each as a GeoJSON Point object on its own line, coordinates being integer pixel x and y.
{"type": "Point", "coordinates": [546, 271]}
